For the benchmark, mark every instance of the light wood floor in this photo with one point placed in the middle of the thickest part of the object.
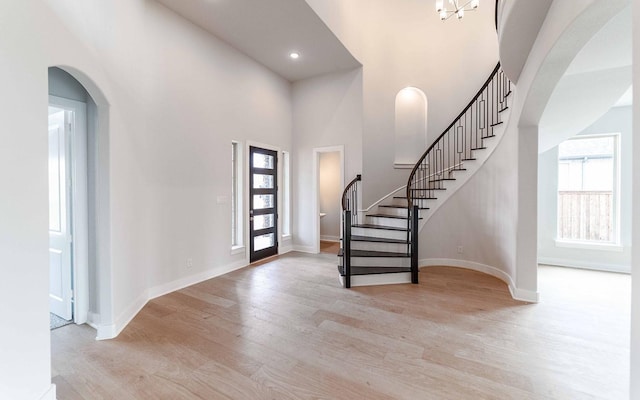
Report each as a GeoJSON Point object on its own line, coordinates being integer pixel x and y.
{"type": "Point", "coordinates": [287, 330]}
{"type": "Point", "coordinates": [329, 247]}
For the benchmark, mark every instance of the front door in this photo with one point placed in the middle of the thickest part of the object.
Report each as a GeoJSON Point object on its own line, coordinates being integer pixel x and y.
{"type": "Point", "coordinates": [263, 203]}
{"type": "Point", "coordinates": [60, 290]}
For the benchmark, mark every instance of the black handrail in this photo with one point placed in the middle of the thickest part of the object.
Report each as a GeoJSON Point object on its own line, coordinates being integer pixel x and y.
{"type": "Point", "coordinates": [347, 194]}
{"type": "Point", "coordinates": [349, 218]}
{"type": "Point", "coordinates": [501, 90]}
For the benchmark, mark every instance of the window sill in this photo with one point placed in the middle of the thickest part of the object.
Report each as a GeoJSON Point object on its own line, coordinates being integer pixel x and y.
{"type": "Point", "coordinates": [237, 250]}
{"type": "Point", "coordinates": [589, 245]}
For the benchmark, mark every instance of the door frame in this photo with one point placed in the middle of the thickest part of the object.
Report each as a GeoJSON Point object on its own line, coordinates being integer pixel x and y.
{"type": "Point", "coordinates": [247, 147]}
{"type": "Point", "coordinates": [315, 195]}
{"type": "Point", "coordinates": [78, 206]}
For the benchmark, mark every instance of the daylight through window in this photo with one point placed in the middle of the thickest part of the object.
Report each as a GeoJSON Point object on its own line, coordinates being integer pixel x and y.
{"type": "Point", "coordinates": [587, 189]}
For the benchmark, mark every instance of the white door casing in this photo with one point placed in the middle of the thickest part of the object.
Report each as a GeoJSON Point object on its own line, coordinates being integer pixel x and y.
{"type": "Point", "coordinates": [70, 282]}
{"type": "Point", "coordinates": [60, 290]}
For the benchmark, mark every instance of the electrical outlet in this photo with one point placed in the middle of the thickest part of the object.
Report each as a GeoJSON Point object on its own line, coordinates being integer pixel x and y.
{"type": "Point", "coordinates": [189, 263]}
{"type": "Point", "coordinates": [460, 250]}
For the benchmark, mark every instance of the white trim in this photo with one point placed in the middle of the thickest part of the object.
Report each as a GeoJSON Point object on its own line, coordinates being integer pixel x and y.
{"type": "Point", "coordinates": [100, 132]}
{"type": "Point", "coordinates": [315, 196]}
{"type": "Point", "coordinates": [563, 262]}
{"type": "Point", "coordinates": [383, 198]}
{"type": "Point", "coordinates": [305, 249]}
{"type": "Point", "coordinates": [237, 250]}
{"type": "Point", "coordinates": [79, 205]}
{"type": "Point", "coordinates": [50, 394]}
{"type": "Point", "coordinates": [329, 238]}
{"type": "Point", "coordinates": [113, 330]}
{"type": "Point", "coordinates": [516, 293]}
{"type": "Point", "coordinates": [286, 195]}
{"type": "Point", "coordinates": [378, 279]}
{"type": "Point", "coordinates": [616, 189]}
{"type": "Point", "coordinates": [285, 248]}
{"type": "Point", "coordinates": [589, 245]}
{"type": "Point", "coordinates": [403, 165]}
{"type": "Point", "coordinates": [238, 187]}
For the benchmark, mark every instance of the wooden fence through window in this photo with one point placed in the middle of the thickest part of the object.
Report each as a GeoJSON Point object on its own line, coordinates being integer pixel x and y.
{"type": "Point", "coordinates": [585, 215]}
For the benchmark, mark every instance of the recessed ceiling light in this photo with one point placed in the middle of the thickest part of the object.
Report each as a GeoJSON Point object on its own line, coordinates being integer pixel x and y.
{"type": "Point", "coordinates": [294, 55]}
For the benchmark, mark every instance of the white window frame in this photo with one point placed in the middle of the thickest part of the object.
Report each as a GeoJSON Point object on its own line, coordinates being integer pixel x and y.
{"type": "Point", "coordinates": [286, 195]}
{"type": "Point", "coordinates": [237, 214]}
{"type": "Point", "coordinates": [613, 245]}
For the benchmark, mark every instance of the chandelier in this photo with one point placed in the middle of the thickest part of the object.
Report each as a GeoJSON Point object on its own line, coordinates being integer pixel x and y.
{"type": "Point", "coordinates": [456, 9]}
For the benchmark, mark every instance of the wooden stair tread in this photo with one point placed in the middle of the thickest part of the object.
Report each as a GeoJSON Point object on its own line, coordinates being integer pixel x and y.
{"type": "Point", "coordinates": [372, 253]}
{"type": "Point", "coordinates": [357, 238]}
{"type": "Point", "coordinates": [394, 206]}
{"type": "Point", "coordinates": [386, 216]}
{"type": "Point", "coordinates": [373, 226]}
{"type": "Point", "coordinates": [355, 270]}
{"type": "Point", "coordinates": [416, 198]}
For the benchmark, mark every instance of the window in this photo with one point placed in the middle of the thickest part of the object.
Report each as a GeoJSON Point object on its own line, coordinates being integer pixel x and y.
{"type": "Point", "coordinates": [236, 196]}
{"type": "Point", "coordinates": [286, 195]}
{"type": "Point", "coordinates": [588, 189]}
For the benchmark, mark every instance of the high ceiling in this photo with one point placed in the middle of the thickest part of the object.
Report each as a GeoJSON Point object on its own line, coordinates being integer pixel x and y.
{"type": "Point", "coordinates": [599, 77]}
{"type": "Point", "coordinates": [268, 31]}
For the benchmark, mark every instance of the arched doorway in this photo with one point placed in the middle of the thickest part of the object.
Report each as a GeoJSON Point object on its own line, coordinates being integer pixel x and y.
{"type": "Point", "coordinates": [79, 226]}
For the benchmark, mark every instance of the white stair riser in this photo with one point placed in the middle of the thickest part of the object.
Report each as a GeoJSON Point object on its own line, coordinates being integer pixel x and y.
{"type": "Point", "coordinates": [378, 246]}
{"type": "Point", "coordinates": [382, 233]}
{"type": "Point", "coordinates": [394, 222]}
{"type": "Point", "coordinates": [403, 202]}
{"type": "Point", "coordinates": [401, 212]}
{"type": "Point", "coordinates": [378, 279]}
{"type": "Point", "coordinates": [378, 261]}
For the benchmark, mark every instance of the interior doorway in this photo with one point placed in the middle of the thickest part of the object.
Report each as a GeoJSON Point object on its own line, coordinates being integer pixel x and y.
{"type": "Point", "coordinates": [330, 192]}
{"type": "Point", "coordinates": [329, 184]}
{"type": "Point", "coordinates": [68, 219]}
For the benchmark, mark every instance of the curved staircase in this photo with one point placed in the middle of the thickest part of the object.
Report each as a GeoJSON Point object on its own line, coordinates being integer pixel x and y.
{"type": "Point", "coordinates": [378, 245]}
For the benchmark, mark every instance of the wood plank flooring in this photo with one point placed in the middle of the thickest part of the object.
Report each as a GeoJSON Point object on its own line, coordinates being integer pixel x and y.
{"type": "Point", "coordinates": [329, 247]}
{"type": "Point", "coordinates": [287, 330]}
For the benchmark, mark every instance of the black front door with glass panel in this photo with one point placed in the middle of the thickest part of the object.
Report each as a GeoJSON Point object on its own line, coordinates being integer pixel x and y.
{"type": "Point", "coordinates": [263, 203]}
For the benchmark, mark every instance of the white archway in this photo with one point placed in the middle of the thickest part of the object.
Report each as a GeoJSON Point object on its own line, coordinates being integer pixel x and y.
{"type": "Point", "coordinates": [98, 275]}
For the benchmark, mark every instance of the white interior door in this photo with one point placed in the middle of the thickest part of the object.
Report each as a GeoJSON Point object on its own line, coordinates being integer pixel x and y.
{"type": "Point", "coordinates": [60, 257]}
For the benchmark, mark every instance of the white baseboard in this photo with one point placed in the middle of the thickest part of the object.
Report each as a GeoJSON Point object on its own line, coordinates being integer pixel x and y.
{"type": "Point", "coordinates": [562, 262]}
{"type": "Point", "coordinates": [516, 293]}
{"type": "Point", "coordinates": [50, 394]}
{"type": "Point", "coordinates": [287, 248]}
{"type": "Point", "coordinates": [524, 295]}
{"type": "Point", "coordinates": [182, 283]}
{"type": "Point", "coordinates": [329, 238]}
{"type": "Point", "coordinates": [305, 249]}
{"type": "Point", "coordinates": [111, 331]}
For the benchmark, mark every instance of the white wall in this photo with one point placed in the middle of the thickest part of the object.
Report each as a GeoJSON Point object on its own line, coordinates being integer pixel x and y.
{"type": "Point", "coordinates": [406, 44]}
{"type": "Point", "coordinates": [330, 195]}
{"type": "Point", "coordinates": [481, 217]}
{"type": "Point", "coordinates": [25, 371]}
{"type": "Point", "coordinates": [177, 97]}
{"type": "Point", "coordinates": [635, 211]}
{"type": "Point", "coordinates": [327, 111]}
{"type": "Point", "coordinates": [617, 120]}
